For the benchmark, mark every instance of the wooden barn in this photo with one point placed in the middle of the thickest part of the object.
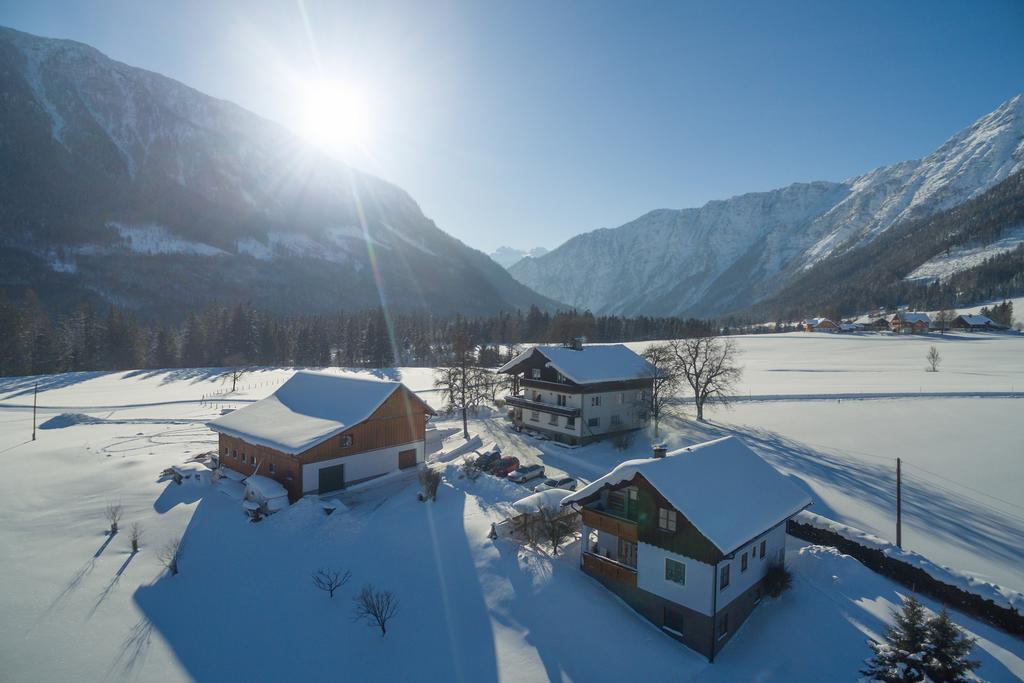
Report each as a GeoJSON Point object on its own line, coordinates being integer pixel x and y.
{"type": "Point", "coordinates": [321, 432]}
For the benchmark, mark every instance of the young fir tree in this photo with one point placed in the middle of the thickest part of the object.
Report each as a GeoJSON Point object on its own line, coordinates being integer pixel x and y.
{"type": "Point", "coordinates": [900, 658]}
{"type": "Point", "coordinates": [946, 651]}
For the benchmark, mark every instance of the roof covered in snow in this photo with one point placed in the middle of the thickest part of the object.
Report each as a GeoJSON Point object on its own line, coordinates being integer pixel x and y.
{"type": "Point", "coordinates": [550, 499]}
{"type": "Point", "coordinates": [726, 490]}
{"type": "Point", "coordinates": [265, 487]}
{"type": "Point", "coordinates": [977, 320]}
{"type": "Point", "coordinates": [912, 317]}
{"type": "Point", "coordinates": [816, 322]}
{"type": "Point", "coordinates": [308, 409]}
{"type": "Point", "coordinates": [590, 364]}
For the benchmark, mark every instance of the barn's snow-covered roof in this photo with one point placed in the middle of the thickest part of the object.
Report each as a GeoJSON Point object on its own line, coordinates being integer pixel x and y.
{"type": "Point", "coordinates": [728, 492]}
{"type": "Point", "coordinates": [977, 319]}
{"type": "Point", "coordinates": [591, 363]}
{"type": "Point", "coordinates": [913, 317]}
{"type": "Point", "coordinates": [308, 409]}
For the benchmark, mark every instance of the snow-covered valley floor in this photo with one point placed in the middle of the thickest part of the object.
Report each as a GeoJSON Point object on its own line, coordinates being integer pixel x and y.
{"type": "Point", "coordinates": [77, 605]}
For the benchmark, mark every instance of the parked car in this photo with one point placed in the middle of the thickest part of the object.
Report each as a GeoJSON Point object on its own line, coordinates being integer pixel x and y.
{"type": "Point", "coordinates": [487, 460]}
{"type": "Point", "coordinates": [505, 466]}
{"type": "Point", "coordinates": [526, 473]}
{"type": "Point", "coordinates": [567, 483]}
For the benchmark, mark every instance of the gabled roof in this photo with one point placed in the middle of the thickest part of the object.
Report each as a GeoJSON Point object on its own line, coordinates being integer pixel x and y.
{"type": "Point", "coordinates": [308, 409]}
{"type": "Point", "coordinates": [977, 319]}
{"type": "Point", "coordinates": [815, 322]}
{"type": "Point", "coordinates": [593, 363]}
{"type": "Point", "coordinates": [911, 317]}
{"type": "Point", "coordinates": [722, 487]}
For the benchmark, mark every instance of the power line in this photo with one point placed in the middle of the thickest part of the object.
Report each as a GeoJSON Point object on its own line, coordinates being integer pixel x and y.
{"type": "Point", "coordinates": [969, 488]}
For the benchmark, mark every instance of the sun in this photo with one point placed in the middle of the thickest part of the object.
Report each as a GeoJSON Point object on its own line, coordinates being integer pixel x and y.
{"type": "Point", "coordinates": [335, 116]}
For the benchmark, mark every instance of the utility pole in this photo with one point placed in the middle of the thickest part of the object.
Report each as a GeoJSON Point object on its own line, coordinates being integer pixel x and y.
{"type": "Point", "coordinates": [35, 394]}
{"type": "Point", "coordinates": [899, 506]}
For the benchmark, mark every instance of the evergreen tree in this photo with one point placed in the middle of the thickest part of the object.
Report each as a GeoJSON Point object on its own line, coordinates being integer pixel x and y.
{"type": "Point", "coordinates": [900, 658]}
{"type": "Point", "coordinates": [946, 651]}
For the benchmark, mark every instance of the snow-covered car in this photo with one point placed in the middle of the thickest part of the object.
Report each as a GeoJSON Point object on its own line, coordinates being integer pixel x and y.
{"type": "Point", "coordinates": [526, 473]}
{"type": "Point", "coordinates": [505, 466]}
{"type": "Point", "coordinates": [567, 483]}
{"type": "Point", "coordinates": [487, 460]}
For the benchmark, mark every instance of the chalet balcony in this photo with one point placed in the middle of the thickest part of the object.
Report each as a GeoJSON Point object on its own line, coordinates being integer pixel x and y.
{"type": "Point", "coordinates": [605, 521]}
{"type": "Point", "coordinates": [607, 568]}
{"type": "Point", "coordinates": [540, 406]}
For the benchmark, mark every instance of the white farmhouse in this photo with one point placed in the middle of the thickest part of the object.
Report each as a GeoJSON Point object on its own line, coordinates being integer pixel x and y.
{"type": "Point", "coordinates": [686, 538]}
{"type": "Point", "coordinates": [576, 393]}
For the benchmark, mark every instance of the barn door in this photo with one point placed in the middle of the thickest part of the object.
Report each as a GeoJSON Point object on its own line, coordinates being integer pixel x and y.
{"type": "Point", "coordinates": [407, 459]}
{"type": "Point", "coordinates": [331, 478]}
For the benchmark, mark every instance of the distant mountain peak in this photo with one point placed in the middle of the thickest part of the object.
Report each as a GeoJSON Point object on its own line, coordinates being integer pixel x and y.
{"type": "Point", "coordinates": [507, 257]}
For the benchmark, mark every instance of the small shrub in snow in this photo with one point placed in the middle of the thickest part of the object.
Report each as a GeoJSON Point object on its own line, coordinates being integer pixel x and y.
{"type": "Point", "coordinates": [777, 579]}
{"type": "Point", "coordinates": [430, 479]}
{"type": "Point", "coordinates": [900, 658]}
{"type": "Point", "coordinates": [946, 651]}
{"type": "Point", "coordinates": [375, 607]}
{"type": "Point", "coordinates": [330, 580]}
{"type": "Point", "coordinates": [136, 532]}
{"type": "Point", "coordinates": [933, 359]}
{"type": "Point", "coordinates": [114, 513]}
{"type": "Point", "coordinates": [469, 469]}
{"type": "Point", "coordinates": [171, 554]}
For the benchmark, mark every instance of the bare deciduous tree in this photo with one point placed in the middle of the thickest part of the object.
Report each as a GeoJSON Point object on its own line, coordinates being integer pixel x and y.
{"type": "Point", "coordinates": [664, 380]}
{"type": "Point", "coordinates": [375, 607]}
{"type": "Point", "coordinates": [237, 368]}
{"type": "Point", "coordinates": [136, 536]}
{"type": "Point", "coordinates": [464, 385]}
{"type": "Point", "coordinates": [114, 513]}
{"type": "Point", "coordinates": [171, 554]}
{"type": "Point", "coordinates": [330, 580]}
{"type": "Point", "coordinates": [933, 359]}
{"type": "Point", "coordinates": [557, 528]}
{"type": "Point", "coordinates": [944, 319]}
{"type": "Point", "coordinates": [708, 366]}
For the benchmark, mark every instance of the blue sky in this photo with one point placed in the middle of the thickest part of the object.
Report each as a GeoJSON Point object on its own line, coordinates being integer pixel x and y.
{"type": "Point", "coordinates": [525, 123]}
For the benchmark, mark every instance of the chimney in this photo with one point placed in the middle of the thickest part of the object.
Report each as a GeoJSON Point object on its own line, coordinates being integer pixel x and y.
{"type": "Point", "coordinates": [660, 450]}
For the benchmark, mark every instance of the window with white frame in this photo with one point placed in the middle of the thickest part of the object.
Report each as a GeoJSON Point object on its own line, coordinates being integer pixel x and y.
{"type": "Point", "coordinates": [535, 373]}
{"type": "Point", "coordinates": [675, 571]}
{"type": "Point", "coordinates": [561, 399]}
{"type": "Point", "coordinates": [723, 581]}
{"type": "Point", "coordinates": [594, 422]}
{"type": "Point", "coordinates": [570, 423]}
{"type": "Point", "coordinates": [616, 421]}
{"type": "Point", "coordinates": [553, 419]}
{"type": "Point", "coordinates": [666, 519]}
{"type": "Point", "coordinates": [595, 400]}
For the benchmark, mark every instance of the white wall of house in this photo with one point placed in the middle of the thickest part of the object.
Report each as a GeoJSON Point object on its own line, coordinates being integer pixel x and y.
{"type": "Point", "coordinates": [360, 465]}
{"type": "Point", "coordinates": [627, 405]}
{"type": "Point", "coordinates": [696, 592]}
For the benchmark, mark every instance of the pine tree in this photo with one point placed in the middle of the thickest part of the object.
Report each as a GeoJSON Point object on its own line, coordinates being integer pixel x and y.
{"type": "Point", "coordinates": [900, 658]}
{"type": "Point", "coordinates": [946, 651]}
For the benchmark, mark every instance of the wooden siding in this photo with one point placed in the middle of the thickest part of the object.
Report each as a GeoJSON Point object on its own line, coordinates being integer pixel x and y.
{"type": "Point", "coordinates": [400, 420]}
{"type": "Point", "coordinates": [287, 469]}
{"type": "Point", "coordinates": [616, 526]}
{"type": "Point", "coordinates": [601, 567]}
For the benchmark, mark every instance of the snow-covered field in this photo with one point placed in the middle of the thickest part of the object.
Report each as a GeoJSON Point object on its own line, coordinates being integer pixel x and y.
{"type": "Point", "coordinates": [76, 605]}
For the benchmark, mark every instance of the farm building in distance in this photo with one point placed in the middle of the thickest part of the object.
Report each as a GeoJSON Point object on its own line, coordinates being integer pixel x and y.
{"type": "Point", "coordinates": [819, 325]}
{"type": "Point", "coordinates": [910, 322]}
{"type": "Point", "coordinates": [320, 432]}
{"type": "Point", "coordinates": [576, 394]}
{"type": "Point", "coordinates": [687, 538]}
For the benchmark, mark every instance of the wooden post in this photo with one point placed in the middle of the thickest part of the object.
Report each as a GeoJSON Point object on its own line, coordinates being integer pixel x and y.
{"type": "Point", "coordinates": [899, 506]}
{"type": "Point", "coordinates": [35, 394]}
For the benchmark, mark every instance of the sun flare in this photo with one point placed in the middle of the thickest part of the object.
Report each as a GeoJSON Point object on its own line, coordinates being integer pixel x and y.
{"type": "Point", "coordinates": [335, 116]}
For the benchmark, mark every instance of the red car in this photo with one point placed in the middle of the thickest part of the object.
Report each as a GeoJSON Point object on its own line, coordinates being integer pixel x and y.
{"type": "Point", "coordinates": [505, 466]}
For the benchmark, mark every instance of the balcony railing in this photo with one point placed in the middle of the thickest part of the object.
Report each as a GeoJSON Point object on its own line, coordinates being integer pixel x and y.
{"type": "Point", "coordinates": [522, 402]}
{"type": "Point", "coordinates": [609, 523]}
{"type": "Point", "coordinates": [602, 567]}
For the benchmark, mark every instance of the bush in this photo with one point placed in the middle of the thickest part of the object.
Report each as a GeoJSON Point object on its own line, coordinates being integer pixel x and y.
{"type": "Point", "coordinates": [430, 479]}
{"type": "Point", "coordinates": [777, 579]}
{"type": "Point", "coordinates": [171, 554]}
{"type": "Point", "coordinates": [469, 469]}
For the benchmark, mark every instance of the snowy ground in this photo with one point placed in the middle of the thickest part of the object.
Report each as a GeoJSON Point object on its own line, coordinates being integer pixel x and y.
{"type": "Point", "coordinates": [77, 605]}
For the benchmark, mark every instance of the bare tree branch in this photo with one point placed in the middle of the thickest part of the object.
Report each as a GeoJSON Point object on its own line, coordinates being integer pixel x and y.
{"type": "Point", "coordinates": [708, 365]}
{"type": "Point", "coordinates": [330, 580]}
{"type": "Point", "coordinates": [375, 607]}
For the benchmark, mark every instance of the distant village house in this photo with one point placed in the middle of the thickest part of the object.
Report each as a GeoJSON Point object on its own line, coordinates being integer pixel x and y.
{"type": "Point", "coordinates": [686, 538]}
{"type": "Point", "coordinates": [578, 393]}
{"type": "Point", "coordinates": [321, 432]}
{"type": "Point", "coordinates": [819, 325]}
{"type": "Point", "coordinates": [975, 323]}
{"type": "Point", "coordinates": [908, 322]}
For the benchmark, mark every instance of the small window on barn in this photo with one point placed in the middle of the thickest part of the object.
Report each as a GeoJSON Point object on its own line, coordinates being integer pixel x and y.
{"type": "Point", "coordinates": [743, 563]}
{"type": "Point", "coordinates": [273, 470]}
{"type": "Point", "coordinates": [346, 440]}
{"type": "Point", "coordinates": [675, 571]}
{"type": "Point", "coordinates": [666, 519]}
{"type": "Point", "coordinates": [234, 454]}
{"type": "Point", "coordinates": [225, 450]}
{"type": "Point", "coordinates": [763, 545]}
{"type": "Point", "coordinates": [723, 582]}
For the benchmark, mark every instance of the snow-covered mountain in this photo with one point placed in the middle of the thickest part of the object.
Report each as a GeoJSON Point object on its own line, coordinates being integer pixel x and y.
{"type": "Point", "coordinates": [728, 254]}
{"type": "Point", "coordinates": [122, 185]}
{"type": "Point", "coordinates": [506, 257]}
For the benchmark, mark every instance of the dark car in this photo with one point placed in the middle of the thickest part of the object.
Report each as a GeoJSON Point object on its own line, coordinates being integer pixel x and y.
{"type": "Point", "coordinates": [504, 466]}
{"type": "Point", "coordinates": [487, 460]}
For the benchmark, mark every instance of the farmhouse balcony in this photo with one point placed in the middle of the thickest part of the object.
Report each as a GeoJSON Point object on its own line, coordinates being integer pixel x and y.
{"type": "Point", "coordinates": [602, 520]}
{"type": "Point", "coordinates": [607, 568]}
{"type": "Point", "coordinates": [541, 406]}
